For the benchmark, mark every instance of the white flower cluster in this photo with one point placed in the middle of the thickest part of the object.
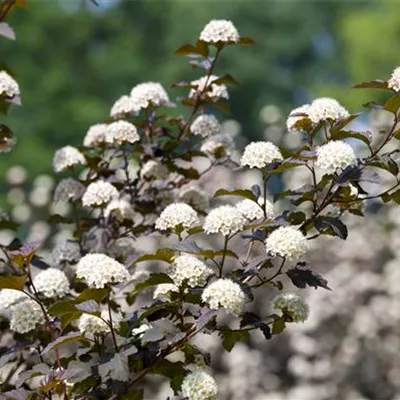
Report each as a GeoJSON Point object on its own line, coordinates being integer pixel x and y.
{"type": "Point", "coordinates": [96, 135]}
{"type": "Point", "coordinates": [25, 316]}
{"type": "Point", "coordinates": [293, 119]}
{"type": "Point", "coordinates": [121, 132]}
{"type": "Point", "coordinates": [195, 197]}
{"type": "Point", "coordinates": [99, 193]}
{"type": "Point", "coordinates": [52, 283]}
{"type": "Point", "coordinates": [325, 108]}
{"type": "Point", "coordinates": [260, 154]}
{"type": "Point", "coordinates": [121, 209]}
{"type": "Point", "coordinates": [8, 85]}
{"type": "Point", "coordinates": [288, 242]}
{"type": "Point", "coordinates": [394, 81]}
{"type": "Point", "coordinates": [90, 324]}
{"type": "Point", "coordinates": [123, 106]}
{"type": "Point", "coordinates": [334, 155]}
{"type": "Point", "coordinates": [98, 270]}
{"type": "Point", "coordinates": [205, 85]}
{"type": "Point", "coordinates": [292, 305]}
{"type": "Point", "coordinates": [164, 289]}
{"type": "Point", "coordinates": [219, 146]}
{"type": "Point", "coordinates": [220, 30]}
{"type": "Point", "coordinates": [189, 269]}
{"type": "Point", "coordinates": [67, 157]}
{"type": "Point", "coordinates": [9, 297]}
{"type": "Point", "coordinates": [205, 125]}
{"type": "Point", "coordinates": [224, 219]}
{"type": "Point", "coordinates": [68, 189]}
{"type": "Point", "coordinates": [149, 94]}
{"type": "Point", "coordinates": [252, 210]}
{"type": "Point", "coordinates": [199, 385]}
{"type": "Point", "coordinates": [226, 294]}
{"type": "Point", "coordinates": [177, 215]}
{"type": "Point", "coordinates": [153, 169]}
{"type": "Point", "coordinates": [64, 252]}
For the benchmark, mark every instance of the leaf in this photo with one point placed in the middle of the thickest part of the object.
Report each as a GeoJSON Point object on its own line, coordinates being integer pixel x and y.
{"type": "Point", "coordinates": [246, 41]}
{"type": "Point", "coordinates": [187, 246]}
{"type": "Point", "coordinates": [58, 219]}
{"type": "Point", "coordinates": [339, 125]}
{"type": "Point", "coordinates": [13, 282]}
{"type": "Point", "coordinates": [133, 394]}
{"type": "Point", "coordinates": [226, 80]}
{"type": "Point", "coordinates": [302, 275]}
{"type": "Point", "coordinates": [89, 306]}
{"type": "Point", "coordinates": [385, 162]}
{"type": "Point", "coordinates": [256, 191]}
{"type": "Point", "coordinates": [278, 326]}
{"type": "Point", "coordinates": [62, 307]}
{"type": "Point", "coordinates": [175, 371]}
{"type": "Point", "coordinates": [364, 137]}
{"type": "Point", "coordinates": [117, 369]}
{"type": "Point", "coordinates": [9, 225]}
{"type": "Point", "coordinates": [18, 394]}
{"type": "Point", "coordinates": [166, 255]}
{"type": "Point", "coordinates": [187, 49]}
{"type": "Point", "coordinates": [70, 337]}
{"type": "Point", "coordinates": [393, 104]}
{"type": "Point", "coordinates": [93, 294]}
{"type": "Point", "coordinates": [231, 337]}
{"type": "Point", "coordinates": [251, 319]}
{"type": "Point", "coordinates": [202, 48]}
{"type": "Point", "coordinates": [377, 84]}
{"type": "Point", "coordinates": [7, 31]}
{"type": "Point", "coordinates": [248, 194]}
{"type": "Point", "coordinates": [331, 226]}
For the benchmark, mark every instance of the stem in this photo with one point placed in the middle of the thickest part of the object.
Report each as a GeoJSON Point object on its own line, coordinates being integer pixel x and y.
{"type": "Point", "coordinates": [128, 183]}
{"type": "Point", "coordinates": [273, 276]}
{"type": "Point", "coordinates": [111, 326]}
{"type": "Point", "coordinates": [223, 256]}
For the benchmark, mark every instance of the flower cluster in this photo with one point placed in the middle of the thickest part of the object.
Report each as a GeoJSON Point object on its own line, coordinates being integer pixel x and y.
{"type": "Point", "coordinates": [334, 155]}
{"type": "Point", "coordinates": [123, 107]}
{"type": "Point", "coordinates": [227, 220]}
{"type": "Point", "coordinates": [206, 86]}
{"type": "Point", "coordinates": [296, 115]}
{"type": "Point", "coordinates": [121, 132]}
{"type": "Point", "coordinates": [220, 31]}
{"type": "Point", "coordinates": [8, 85]}
{"type": "Point", "coordinates": [177, 215]}
{"type": "Point", "coordinates": [252, 210]}
{"type": "Point", "coordinates": [260, 154]}
{"type": "Point", "coordinates": [10, 297]}
{"type": "Point", "coordinates": [68, 189]}
{"type": "Point", "coordinates": [91, 324]}
{"type": "Point", "coordinates": [96, 135]}
{"type": "Point", "coordinates": [121, 209]}
{"type": "Point", "coordinates": [205, 125]}
{"type": "Point", "coordinates": [199, 385]}
{"type": "Point", "coordinates": [394, 81]}
{"type": "Point", "coordinates": [326, 109]}
{"type": "Point", "coordinates": [99, 193]}
{"type": "Point", "coordinates": [52, 283]}
{"type": "Point", "coordinates": [288, 242]}
{"type": "Point", "coordinates": [25, 316]}
{"type": "Point", "coordinates": [218, 147]}
{"type": "Point", "coordinates": [153, 169]}
{"type": "Point", "coordinates": [64, 253]}
{"type": "Point", "coordinates": [67, 157]}
{"type": "Point", "coordinates": [164, 289]}
{"type": "Point", "coordinates": [149, 94]}
{"type": "Point", "coordinates": [292, 305]}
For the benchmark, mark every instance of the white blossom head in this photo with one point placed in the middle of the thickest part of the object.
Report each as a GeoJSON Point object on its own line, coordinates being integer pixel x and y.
{"type": "Point", "coordinates": [220, 30]}
{"type": "Point", "coordinates": [325, 108]}
{"type": "Point", "coordinates": [205, 86]}
{"type": "Point", "coordinates": [227, 220]}
{"type": "Point", "coordinates": [121, 209]}
{"type": "Point", "coordinates": [292, 305]}
{"type": "Point", "coordinates": [177, 215]}
{"type": "Point", "coordinates": [205, 125]}
{"type": "Point", "coordinates": [8, 85]}
{"type": "Point", "coordinates": [226, 294]}
{"type": "Point", "coordinates": [260, 154]}
{"type": "Point", "coordinates": [9, 298]}
{"type": "Point", "coordinates": [96, 135]}
{"type": "Point", "coordinates": [294, 118]}
{"type": "Point", "coordinates": [164, 289]}
{"type": "Point", "coordinates": [149, 94]}
{"type": "Point", "coordinates": [99, 270]}
{"type": "Point", "coordinates": [394, 81]}
{"type": "Point", "coordinates": [334, 155]}
{"type": "Point", "coordinates": [254, 210]}
{"type": "Point", "coordinates": [199, 385]}
{"type": "Point", "coordinates": [288, 242]}
{"type": "Point", "coordinates": [121, 132]}
{"type": "Point", "coordinates": [99, 193]}
{"type": "Point", "coordinates": [68, 189]}
{"type": "Point", "coordinates": [67, 157]}
{"type": "Point", "coordinates": [218, 147]}
{"type": "Point", "coordinates": [64, 253]}
{"type": "Point", "coordinates": [52, 283]}
{"type": "Point", "coordinates": [195, 197]}
{"type": "Point", "coordinates": [91, 324]}
{"type": "Point", "coordinates": [153, 169]}
{"type": "Point", "coordinates": [124, 106]}
{"type": "Point", "coordinates": [25, 315]}
{"type": "Point", "coordinates": [190, 270]}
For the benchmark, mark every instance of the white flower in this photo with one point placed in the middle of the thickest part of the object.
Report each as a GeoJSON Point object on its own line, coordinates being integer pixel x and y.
{"type": "Point", "coordinates": [226, 294]}
{"type": "Point", "coordinates": [195, 197]}
{"type": "Point", "coordinates": [205, 85]}
{"type": "Point", "coordinates": [220, 31]}
{"type": "Point", "coordinates": [292, 305]}
{"type": "Point", "coordinates": [293, 119]}
{"type": "Point", "coordinates": [325, 108]}
{"type": "Point", "coordinates": [260, 154]}
{"type": "Point", "coordinates": [189, 269]}
{"type": "Point", "coordinates": [334, 155]}
{"type": "Point", "coordinates": [95, 135]}
{"type": "Point", "coordinates": [120, 208]}
{"type": "Point", "coordinates": [10, 297]}
{"type": "Point", "coordinates": [218, 147]}
{"type": "Point", "coordinates": [91, 324]}
{"type": "Point", "coordinates": [98, 270]}
{"type": "Point", "coordinates": [51, 282]}
{"type": "Point", "coordinates": [177, 215]}
{"type": "Point", "coordinates": [123, 106]}
{"type": "Point", "coordinates": [67, 157]}
{"type": "Point", "coordinates": [154, 170]}
{"type": "Point", "coordinates": [394, 81]}
{"type": "Point", "coordinates": [164, 289]}
{"type": "Point", "coordinates": [64, 253]}
{"type": "Point", "coordinates": [8, 85]}
{"type": "Point", "coordinates": [25, 316]}
{"type": "Point", "coordinates": [149, 94]}
{"type": "Point", "coordinates": [252, 210]}
{"type": "Point", "coordinates": [287, 241]}
{"type": "Point", "coordinates": [199, 385]}
{"type": "Point", "coordinates": [68, 190]}
{"type": "Point", "coordinates": [121, 132]}
{"type": "Point", "coordinates": [224, 219]}
{"type": "Point", "coordinates": [99, 193]}
{"type": "Point", "coordinates": [206, 125]}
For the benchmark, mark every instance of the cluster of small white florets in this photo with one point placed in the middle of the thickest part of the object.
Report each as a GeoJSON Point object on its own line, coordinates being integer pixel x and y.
{"type": "Point", "coordinates": [10, 297]}
{"type": "Point", "coordinates": [99, 193]}
{"type": "Point", "coordinates": [153, 169]}
{"type": "Point", "coordinates": [220, 30]}
{"type": "Point", "coordinates": [64, 253]}
{"type": "Point", "coordinates": [335, 155]}
{"type": "Point", "coordinates": [164, 289]}
{"type": "Point", "coordinates": [260, 154]}
{"type": "Point", "coordinates": [25, 315]}
{"type": "Point", "coordinates": [288, 242]}
{"type": "Point", "coordinates": [252, 210]}
{"type": "Point", "coordinates": [226, 294]}
{"type": "Point", "coordinates": [325, 108]}
{"type": "Point", "coordinates": [199, 385]}
{"type": "Point", "coordinates": [149, 93]}
{"type": "Point", "coordinates": [205, 85]}
{"type": "Point", "coordinates": [195, 197]}
{"type": "Point", "coordinates": [293, 119]}
{"type": "Point", "coordinates": [95, 135]}
{"type": "Point", "coordinates": [123, 107]}
{"type": "Point", "coordinates": [91, 324]}
{"type": "Point", "coordinates": [177, 215]}
{"type": "Point", "coordinates": [68, 189]}
{"type": "Point", "coordinates": [189, 269]}
{"type": "Point", "coordinates": [394, 81]}
{"type": "Point", "coordinates": [121, 209]}
{"type": "Point", "coordinates": [227, 220]}
{"type": "Point", "coordinates": [52, 283]}
{"type": "Point", "coordinates": [121, 132]}
{"type": "Point", "coordinates": [206, 125]}
{"type": "Point", "coordinates": [98, 270]}
{"type": "Point", "coordinates": [67, 157]}
{"type": "Point", "coordinates": [8, 85]}
{"type": "Point", "coordinates": [219, 146]}
{"type": "Point", "coordinates": [292, 305]}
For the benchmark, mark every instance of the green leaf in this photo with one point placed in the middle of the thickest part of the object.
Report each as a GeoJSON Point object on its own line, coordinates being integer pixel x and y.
{"type": "Point", "coordinates": [166, 255]}
{"type": "Point", "coordinates": [248, 194]}
{"type": "Point", "coordinates": [93, 294]}
{"type": "Point", "coordinates": [175, 371]}
{"type": "Point", "coordinates": [331, 226]}
{"type": "Point", "coordinates": [62, 307]}
{"type": "Point", "coordinates": [58, 219]}
{"type": "Point", "coordinates": [343, 122]}
{"type": "Point", "coordinates": [13, 282]}
{"type": "Point", "coordinates": [365, 137]}
{"type": "Point", "coordinates": [134, 394]}
{"type": "Point", "coordinates": [246, 41]}
{"type": "Point", "coordinates": [202, 48]}
{"type": "Point", "coordinates": [226, 80]}
{"type": "Point", "coordinates": [70, 337]}
{"type": "Point", "coordinates": [186, 50]}
{"type": "Point", "coordinates": [231, 337]}
{"type": "Point", "coordinates": [377, 84]}
{"type": "Point", "coordinates": [393, 104]}
{"type": "Point", "coordinates": [278, 326]}
{"type": "Point", "coordinates": [154, 279]}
